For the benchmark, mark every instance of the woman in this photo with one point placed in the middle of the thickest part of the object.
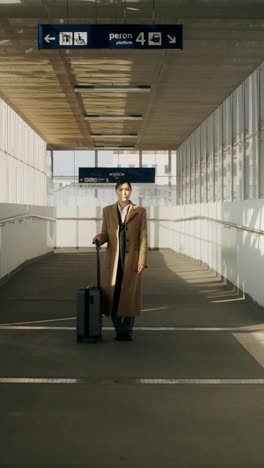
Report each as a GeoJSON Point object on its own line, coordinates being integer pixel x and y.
{"type": "Point", "coordinates": [124, 228]}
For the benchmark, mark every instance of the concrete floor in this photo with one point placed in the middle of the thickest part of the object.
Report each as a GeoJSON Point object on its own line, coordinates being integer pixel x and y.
{"type": "Point", "coordinates": [108, 415]}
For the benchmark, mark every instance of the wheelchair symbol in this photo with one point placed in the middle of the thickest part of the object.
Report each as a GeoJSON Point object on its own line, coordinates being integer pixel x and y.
{"type": "Point", "coordinates": [80, 38]}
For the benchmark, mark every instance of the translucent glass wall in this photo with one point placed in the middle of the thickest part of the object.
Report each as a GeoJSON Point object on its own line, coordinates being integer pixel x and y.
{"type": "Point", "coordinates": [66, 163]}
{"type": "Point", "coordinates": [223, 160]}
{"type": "Point", "coordinates": [22, 161]}
{"type": "Point", "coordinates": [65, 190]}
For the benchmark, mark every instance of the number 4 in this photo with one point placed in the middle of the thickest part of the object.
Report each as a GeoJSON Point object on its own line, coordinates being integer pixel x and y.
{"type": "Point", "coordinates": [141, 38]}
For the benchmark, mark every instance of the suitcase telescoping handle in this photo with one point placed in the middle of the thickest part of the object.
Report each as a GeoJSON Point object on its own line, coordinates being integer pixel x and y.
{"type": "Point", "coordinates": [97, 244]}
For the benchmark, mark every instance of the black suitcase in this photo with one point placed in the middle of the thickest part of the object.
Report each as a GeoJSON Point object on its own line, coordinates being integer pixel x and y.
{"type": "Point", "coordinates": [89, 310]}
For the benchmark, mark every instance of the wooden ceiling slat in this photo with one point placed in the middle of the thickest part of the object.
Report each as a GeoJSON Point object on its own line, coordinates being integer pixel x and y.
{"type": "Point", "coordinates": [223, 44]}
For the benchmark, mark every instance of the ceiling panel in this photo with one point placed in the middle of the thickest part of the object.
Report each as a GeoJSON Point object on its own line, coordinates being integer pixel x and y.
{"type": "Point", "coordinates": [223, 43]}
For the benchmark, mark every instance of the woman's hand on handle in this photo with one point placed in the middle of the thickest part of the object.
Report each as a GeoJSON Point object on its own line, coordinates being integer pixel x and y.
{"type": "Point", "coordinates": [97, 237]}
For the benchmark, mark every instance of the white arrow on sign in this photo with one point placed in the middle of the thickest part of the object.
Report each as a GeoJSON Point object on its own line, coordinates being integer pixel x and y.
{"type": "Point", "coordinates": [49, 38]}
{"type": "Point", "coordinates": [172, 40]}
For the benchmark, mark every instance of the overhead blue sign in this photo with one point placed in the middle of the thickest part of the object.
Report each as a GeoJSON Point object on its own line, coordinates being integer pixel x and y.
{"type": "Point", "coordinates": [109, 36]}
{"type": "Point", "coordinates": [103, 175]}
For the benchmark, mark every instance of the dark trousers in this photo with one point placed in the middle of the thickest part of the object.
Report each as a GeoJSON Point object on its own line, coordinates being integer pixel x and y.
{"type": "Point", "coordinates": [121, 324]}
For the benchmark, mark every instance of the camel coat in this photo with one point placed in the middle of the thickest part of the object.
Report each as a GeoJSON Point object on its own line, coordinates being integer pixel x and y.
{"type": "Point", "coordinates": [136, 253]}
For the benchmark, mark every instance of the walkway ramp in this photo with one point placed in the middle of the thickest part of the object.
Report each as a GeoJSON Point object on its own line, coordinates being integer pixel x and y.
{"type": "Point", "coordinates": [188, 389]}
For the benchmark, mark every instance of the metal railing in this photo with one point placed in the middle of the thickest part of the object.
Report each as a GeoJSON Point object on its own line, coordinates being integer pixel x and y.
{"type": "Point", "coordinates": [178, 220]}
{"type": "Point", "coordinates": [21, 218]}
{"type": "Point", "coordinates": [226, 224]}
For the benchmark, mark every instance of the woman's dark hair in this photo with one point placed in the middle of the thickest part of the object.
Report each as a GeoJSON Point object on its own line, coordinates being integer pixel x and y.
{"type": "Point", "coordinates": [123, 181]}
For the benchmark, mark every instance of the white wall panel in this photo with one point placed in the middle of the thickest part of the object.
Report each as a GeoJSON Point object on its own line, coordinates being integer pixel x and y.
{"type": "Point", "coordinates": [210, 160]}
{"type": "Point", "coordinates": [22, 161]}
{"type": "Point", "coordinates": [230, 146]}
{"type": "Point", "coordinates": [179, 177]}
{"type": "Point", "coordinates": [230, 150]}
{"type": "Point", "coordinates": [235, 174]}
{"type": "Point", "coordinates": [235, 144]}
{"type": "Point", "coordinates": [184, 176]}
{"type": "Point", "coordinates": [182, 179]}
{"type": "Point", "coordinates": [251, 136]}
{"type": "Point", "coordinates": [21, 241]}
{"type": "Point", "coordinates": [197, 150]}
{"type": "Point", "coordinates": [188, 171]}
{"type": "Point", "coordinates": [203, 161]}
{"type": "Point", "coordinates": [227, 150]}
{"type": "Point", "coordinates": [193, 168]}
{"type": "Point", "coordinates": [236, 254]}
{"type": "Point", "coordinates": [219, 152]}
{"type": "Point", "coordinates": [261, 162]}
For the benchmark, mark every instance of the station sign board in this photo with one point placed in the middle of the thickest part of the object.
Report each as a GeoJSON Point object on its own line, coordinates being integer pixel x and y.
{"type": "Point", "coordinates": [105, 175]}
{"type": "Point", "coordinates": [110, 36]}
